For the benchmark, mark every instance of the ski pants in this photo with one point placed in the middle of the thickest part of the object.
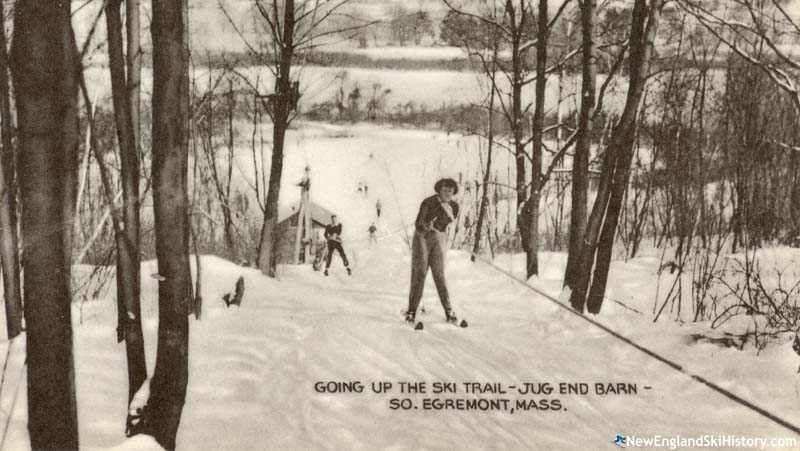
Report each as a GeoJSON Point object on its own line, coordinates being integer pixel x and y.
{"type": "Point", "coordinates": [428, 250]}
{"type": "Point", "coordinates": [335, 246]}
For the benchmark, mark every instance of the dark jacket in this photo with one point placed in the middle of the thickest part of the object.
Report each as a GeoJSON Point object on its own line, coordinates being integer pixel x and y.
{"type": "Point", "coordinates": [431, 208]}
{"type": "Point", "coordinates": [331, 230]}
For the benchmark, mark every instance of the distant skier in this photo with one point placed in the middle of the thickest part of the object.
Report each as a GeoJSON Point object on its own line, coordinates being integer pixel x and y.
{"type": "Point", "coordinates": [360, 189]}
{"type": "Point", "coordinates": [378, 207]}
{"type": "Point", "coordinates": [333, 233]}
{"type": "Point", "coordinates": [429, 246]}
{"type": "Point", "coordinates": [372, 238]}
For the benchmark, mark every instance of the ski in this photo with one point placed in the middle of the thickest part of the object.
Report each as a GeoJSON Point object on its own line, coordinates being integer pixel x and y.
{"type": "Point", "coordinates": [452, 318]}
{"type": "Point", "coordinates": [418, 325]}
{"type": "Point", "coordinates": [462, 324]}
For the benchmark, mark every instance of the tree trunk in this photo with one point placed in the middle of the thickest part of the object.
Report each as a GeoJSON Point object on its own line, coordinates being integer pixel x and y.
{"type": "Point", "coordinates": [171, 202]}
{"type": "Point", "coordinates": [616, 163]}
{"type": "Point", "coordinates": [9, 243]}
{"type": "Point", "coordinates": [476, 246]}
{"type": "Point", "coordinates": [131, 171]}
{"type": "Point", "coordinates": [580, 161]}
{"type": "Point", "coordinates": [227, 214]}
{"type": "Point", "coordinates": [71, 168]}
{"type": "Point", "coordinates": [532, 259]}
{"type": "Point", "coordinates": [269, 232]}
{"type": "Point", "coordinates": [48, 127]}
{"type": "Point", "coordinates": [605, 245]}
{"type": "Point", "coordinates": [134, 66]}
{"type": "Point", "coordinates": [129, 324]}
{"type": "Point", "coordinates": [516, 128]}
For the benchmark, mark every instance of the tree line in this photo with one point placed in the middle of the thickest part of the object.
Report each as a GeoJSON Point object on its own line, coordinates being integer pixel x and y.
{"type": "Point", "coordinates": [41, 154]}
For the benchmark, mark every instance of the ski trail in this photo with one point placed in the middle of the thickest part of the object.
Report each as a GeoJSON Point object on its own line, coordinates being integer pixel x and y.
{"type": "Point", "coordinates": [254, 368]}
{"type": "Point", "coordinates": [525, 340]}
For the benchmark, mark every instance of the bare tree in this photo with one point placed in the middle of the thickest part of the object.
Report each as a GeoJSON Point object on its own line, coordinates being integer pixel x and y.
{"type": "Point", "coordinates": [134, 66]}
{"type": "Point", "coordinates": [375, 103]}
{"type": "Point", "coordinates": [580, 160]}
{"type": "Point", "coordinates": [537, 135]}
{"type": "Point", "coordinates": [47, 105]}
{"type": "Point", "coordinates": [9, 243]}
{"type": "Point", "coordinates": [400, 24]}
{"type": "Point", "coordinates": [125, 99]}
{"type": "Point", "coordinates": [221, 180]}
{"type": "Point", "coordinates": [595, 255]}
{"type": "Point", "coordinates": [284, 35]}
{"type": "Point", "coordinates": [756, 26]}
{"type": "Point", "coordinates": [293, 28]}
{"type": "Point", "coordinates": [490, 138]}
{"type": "Point", "coordinates": [170, 196]}
{"type": "Point", "coordinates": [512, 22]}
{"type": "Point", "coordinates": [762, 33]}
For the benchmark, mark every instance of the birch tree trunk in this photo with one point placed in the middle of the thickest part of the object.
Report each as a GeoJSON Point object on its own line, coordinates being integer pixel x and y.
{"type": "Point", "coordinates": [9, 242]}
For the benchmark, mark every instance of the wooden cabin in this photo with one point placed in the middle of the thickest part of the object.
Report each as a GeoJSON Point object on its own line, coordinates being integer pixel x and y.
{"type": "Point", "coordinates": [288, 218]}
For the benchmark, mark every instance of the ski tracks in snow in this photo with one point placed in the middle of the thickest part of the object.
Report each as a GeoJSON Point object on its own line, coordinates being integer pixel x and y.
{"type": "Point", "coordinates": [515, 336]}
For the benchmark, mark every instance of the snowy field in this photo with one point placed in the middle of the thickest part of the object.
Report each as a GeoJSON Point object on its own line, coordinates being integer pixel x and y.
{"type": "Point", "coordinates": [431, 88]}
{"type": "Point", "coordinates": [399, 167]}
{"type": "Point", "coordinates": [254, 369]}
{"type": "Point", "coordinates": [411, 52]}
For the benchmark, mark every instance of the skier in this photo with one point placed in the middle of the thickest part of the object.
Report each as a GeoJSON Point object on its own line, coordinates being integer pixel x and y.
{"type": "Point", "coordinates": [372, 229]}
{"type": "Point", "coordinates": [429, 247]}
{"type": "Point", "coordinates": [378, 206]}
{"type": "Point", "coordinates": [333, 234]}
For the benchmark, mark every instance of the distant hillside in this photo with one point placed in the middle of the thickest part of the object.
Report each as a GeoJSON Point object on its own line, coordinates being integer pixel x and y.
{"type": "Point", "coordinates": [211, 29]}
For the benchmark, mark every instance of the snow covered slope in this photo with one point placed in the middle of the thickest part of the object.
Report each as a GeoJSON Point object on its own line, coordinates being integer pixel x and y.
{"type": "Point", "coordinates": [253, 369]}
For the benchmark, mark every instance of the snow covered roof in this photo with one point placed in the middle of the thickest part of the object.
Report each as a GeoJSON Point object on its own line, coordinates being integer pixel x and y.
{"type": "Point", "coordinates": [318, 213]}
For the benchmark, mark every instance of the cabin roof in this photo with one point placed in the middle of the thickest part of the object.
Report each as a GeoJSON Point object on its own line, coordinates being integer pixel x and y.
{"type": "Point", "coordinates": [319, 213]}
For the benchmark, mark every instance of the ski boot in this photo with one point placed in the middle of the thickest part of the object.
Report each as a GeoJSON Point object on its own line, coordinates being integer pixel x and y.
{"type": "Point", "coordinates": [326, 273]}
{"type": "Point", "coordinates": [453, 319]}
{"type": "Point", "coordinates": [349, 273]}
{"type": "Point", "coordinates": [411, 320]}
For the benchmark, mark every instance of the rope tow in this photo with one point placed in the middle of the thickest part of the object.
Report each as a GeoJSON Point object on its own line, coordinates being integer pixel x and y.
{"type": "Point", "coordinates": [677, 367]}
